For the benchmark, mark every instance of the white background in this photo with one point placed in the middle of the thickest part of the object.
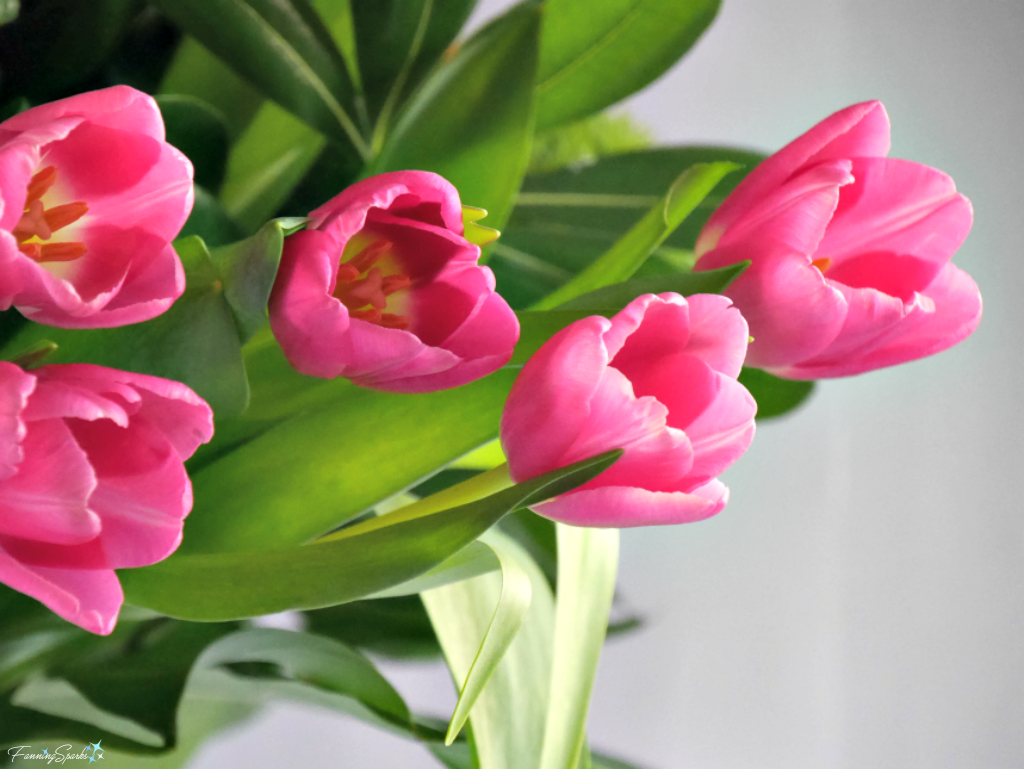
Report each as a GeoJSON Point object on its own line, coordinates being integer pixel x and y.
{"type": "Point", "coordinates": [860, 603]}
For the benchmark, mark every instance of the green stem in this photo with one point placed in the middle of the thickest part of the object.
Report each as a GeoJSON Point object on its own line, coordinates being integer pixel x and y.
{"type": "Point", "coordinates": [470, 490]}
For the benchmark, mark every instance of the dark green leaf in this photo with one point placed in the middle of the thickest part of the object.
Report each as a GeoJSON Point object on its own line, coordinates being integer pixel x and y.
{"type": "Point", "coordinates": [194, 342]}
{"type": "Point", "coordinates": [393, 627]}
{"type": "Point", "coordinates": [210, 221]}
{"type": "Point", "coordinates": [564, 220]}
{"type": "Point", "coordinates": [54, 44]}
{"type": "Point", "coordinates": [359, 561]}
{"type": "Point", "coordinates": [774, 396]}
{"type": "Point", "coordinates": [284, 49]}
{"type": "Point", "coordinates": [200, 131]}
{"type": "Point", "coordinates": [472, 119]}
{"type": "Point", "coordinates": [597, 52]}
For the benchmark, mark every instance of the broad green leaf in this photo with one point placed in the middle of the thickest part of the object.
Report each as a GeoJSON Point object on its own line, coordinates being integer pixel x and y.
{"type": "Point", "coordinates": [471, 561]}
{"type": "Point", "coordinates": [210, 221]}
{"type": "Point", "coordinates": [472, 119]}
{"type": "Point", "coordinates": [201, 132]}
{"type": "Point", "coordinates": [537, 326]}
{"type": "Point", "coordinates": [584, 143]}
{"type": "Point", "coordinates": [391, 627]}
{"type": "Point", "coordinates": [595, 53]}
{"type": "Point", "coordinates": [509, 716]}
{"type": "Point", "coordinates": [9, 10]}
{"type": "Point", "coordinates": [277, 149]}
{"type": "Point", "coordinates": [194, 342]}
{"type": "Point", "coordinates": [512, 605]}
{"type": "Point", "coordinates": [359, 561]}
{"type": "Point", "coordinates": [248, 269]}
{"type": "Point", "coordinates": [283, 48]}
{"type": "Point", "coordinates": [624, 258]}
{"type": "Point", "coordinates": [564, 220]}
{"type": "Point", "coordinates": [308, 668]}
{"type": "Point", "coordinates": [587, 563]}
{"type": "Point", "coordinates": [55, 44]}
{"type": "Point", "coordinates": [774, 396]}
{"type": "Point", "coordinates": [305, 475]}
{"type": "Point", "coordinates": [195, 71]}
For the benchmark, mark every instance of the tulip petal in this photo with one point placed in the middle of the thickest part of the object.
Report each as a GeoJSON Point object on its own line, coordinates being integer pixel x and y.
{"type": "Point", "coordinates": [117, 107]}
{"type": "Point", "coordinates": [48, 499]}
{"type": "Point", "coordinates": [718, 333]}
{"type": "Point", "coordinates": [15, 388]}
{"type": "Point", "coordinates": [723, 432]}
{"type": "Point", "coordinates": [861, 130]}
{"type": "Point", "coordinates": [648, 328]}
{"type": "Point", "coordinates": [549, 405]}
{"type": "Point", "coordinates": [624, 506]}
{"type": "Point", "coordinates": [89, 598]}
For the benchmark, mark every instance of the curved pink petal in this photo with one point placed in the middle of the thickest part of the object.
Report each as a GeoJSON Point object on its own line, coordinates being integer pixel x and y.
{"type": "Point", "coordinates": [549, 404]}
{"type": "Point", "coordinates": [90, 598]}
{"type": "Point", "coordinates": [897, 208]}
{"type": "Point", "coordinates": [648, 328]}
{"type": "Point", "coordinates": [861, 130]}
{"type": "Point", "coordinates": [491, 329]}
{"type": "Point", "coordinates": [15, 388]}
{"type": "Point", "coordinates": [947, 313]}
{"type": "Point", "coordinates": [718, 333]}
{"type": "Point", "coordinates": [792, 310]}
{"type": "Point", "coordinates": [797, 214]}
{"type": "Point", "coordinates": [373, 355]}
{"type": "Point", "coordinates": [624, 506]}
{"type": "Point", "coordinates": [48, 499]}
{"type": "Point", "coordinates": [723, 431]}
{"type": "Point", "coordinates": [118, 106]}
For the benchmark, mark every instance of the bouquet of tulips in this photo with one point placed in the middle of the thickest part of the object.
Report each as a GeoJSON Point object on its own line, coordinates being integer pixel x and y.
{"type": "Point", "coordinates": [264, 352]}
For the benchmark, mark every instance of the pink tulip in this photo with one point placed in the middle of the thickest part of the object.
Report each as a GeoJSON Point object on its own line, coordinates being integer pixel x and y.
{"type": "Point", "coordinates": [383, 289]}
{"type": "Point", "coordinates": [658, 380]}
{"type": "Point", "coordinates": [850, 253]}
{"type": "Point", "coordinates": [90, 198]}
{"type": "Point", "coordinates": [91, 480]}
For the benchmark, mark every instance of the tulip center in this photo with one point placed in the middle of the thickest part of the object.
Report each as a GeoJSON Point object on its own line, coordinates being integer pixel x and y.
{"type": "Point", "coordinates": [368, 280]}
{"type": "Point", "coordinates": [38, 223]}
{"type": "Point", "coordinates": [821, 265]}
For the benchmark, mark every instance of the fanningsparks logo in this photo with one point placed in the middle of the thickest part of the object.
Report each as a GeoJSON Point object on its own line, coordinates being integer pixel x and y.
{"type": "Point", "coordinates": [92, 754]}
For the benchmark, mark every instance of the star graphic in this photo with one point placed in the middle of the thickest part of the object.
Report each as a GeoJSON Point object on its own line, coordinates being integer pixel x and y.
{"type": "Point", "coordinates": [95, 745]}
{"type": "Point", "coordinates": [91, 759]}
{"type": "Point", "coordinates": [46, 752]}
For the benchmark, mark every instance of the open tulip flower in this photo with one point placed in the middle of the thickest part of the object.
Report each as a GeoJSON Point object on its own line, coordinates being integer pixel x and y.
{"type": "Point", "coordinates": [850, 253]}
{"type": "Point", "coordinates": [90, 198]}
{"type": "Point", "coordinates": [658, 380]}
{"type": "Point", "coordinates": [91, 480]}
{"type": "Point", "coordinates": [384, 289]}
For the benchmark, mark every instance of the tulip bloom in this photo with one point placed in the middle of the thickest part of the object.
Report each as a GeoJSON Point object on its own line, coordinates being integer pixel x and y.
{"type": "Point", "coordinates": [90, 198]}
{"type": "Point", "coordinates": [384, 289]}
{"type": "Point", "coordinates": [850, 253]}
{"type": "Point", "coordinates": [658, 380]}
{"type": "Point", "coordinates": [91, 480]}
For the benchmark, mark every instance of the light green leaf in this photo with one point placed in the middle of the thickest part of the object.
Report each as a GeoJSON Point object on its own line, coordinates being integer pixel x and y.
{"type": "Point", "coordinates": [587, 563]}
{"type": "Point", "coordinates": [194, 342]}
{"type": "Point", "coordinates": [513, 603]}
{"type": "Point", "coordinates": [284, 49]}
{"type": "Point", "coordinates": [595, 53]}
{"type": "Point", "coordinates": [564, 220]}
{"type": "Point", "coordinates": [471, 561]}
{"type": "Point", "coordinates": [509, 715]}
{"type": "Point", "coordinates": [9, 10]}
{"type": "Point", "coordinates": [248, 269]}
{"type": "Point", "coordinates": [359, 561]}
{"type": "Point", "coordinates": [472, 119]}
{"type": "Point", "coordinates": [775, 396]}
{"type": "Point", "coordinates": [623, 259]}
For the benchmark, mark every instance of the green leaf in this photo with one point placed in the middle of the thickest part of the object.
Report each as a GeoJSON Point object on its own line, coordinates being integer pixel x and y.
{"type": "Point", "coordinates": [194, 342]}
{"type": "Point", "coordinates": [537, 326]}
{"type": "Point", "coordinates": [201, 132]}
{"type": "Point", "coordinates": [472, 119]}
{"type": "Point", "coordinates": [210, 221]}
{"type": "Point", "coordinates": [471, 561]}
{"type": "Point", "coordinates": [593, 54]}
{"type": "Point", "coordinates": [391, 627]}
{"type": "Point", "coordinates": [564, 220]}
{"type": "Point", "coordinates": [55, 44]}
{"type": "Point", "coordinates": [307, 668]}
{"type": "Point", "coordinates": [248, 269]}
{"type": "Point", "coordinates": [583, 143]}
{"type": "Point", "coordinates": [509, 716]}
{"type": "Point", "coordinates": [357, 562]}
{"type": "Point", "coordinates": [624, 258]}
{"type": "Point", "coordinates": [299, 478]}
{"type": "Point", "coordinates": [587, 562]}
{"type": "Point", "coordinates": [9, 10]}
{"type": "Point", "coordinates": [775, 396]}
{"type": "Point", "coordinates": [512, 605]}
{"type": "Point", "coordinates": [195, 71]}
{"type": "Point", "coordinates": [284, 49]}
